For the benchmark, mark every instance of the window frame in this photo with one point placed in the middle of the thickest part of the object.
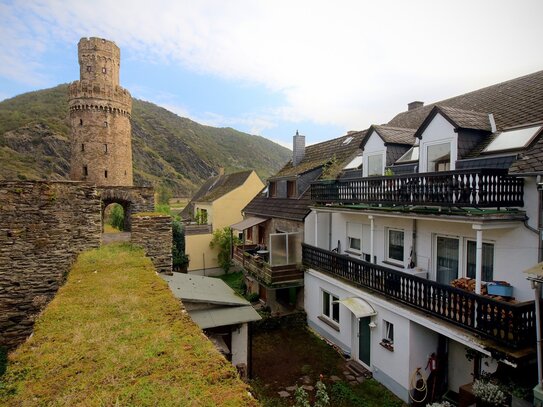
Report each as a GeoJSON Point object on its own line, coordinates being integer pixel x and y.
{"type": "Point", "coordinates": [467, 254]}
{"type": "Point", "coordinates": [438, 163]}
{"type": "Point", "coordinates": [387, 338]}
{"type": "Point", "coordinates": [330, 307]}
{"type": "Point", "coordinates": [291, 188]}
{"type": "Point", "coordinates": [272, 189]}
{"type": "Point", "coordinates": [381, 170]}
{"type": "Point", "coordinates": [387, 247]}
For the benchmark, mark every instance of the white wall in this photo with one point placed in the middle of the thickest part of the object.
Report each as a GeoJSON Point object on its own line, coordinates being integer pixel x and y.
{"type": "Point", "coordinates": [239, 344]}
{"type": "Point", "coordinates": [460, 368]}
{"type": "Point", "coordinates": [439, 130]}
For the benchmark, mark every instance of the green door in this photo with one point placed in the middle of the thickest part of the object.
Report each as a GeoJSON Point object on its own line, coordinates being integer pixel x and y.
{"type": "Point", "coordinates": [364, 342]}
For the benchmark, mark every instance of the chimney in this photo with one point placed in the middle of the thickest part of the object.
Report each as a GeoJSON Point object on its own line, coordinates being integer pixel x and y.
{"type": "Point", "coordinates": [221, 171]}
{"type": "Point", "coordinates": [298, 148]}
{"type": "Point", "coordinates": [414, 105]}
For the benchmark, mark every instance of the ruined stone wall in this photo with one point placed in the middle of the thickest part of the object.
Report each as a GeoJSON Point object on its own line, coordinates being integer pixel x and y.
{"type": "Point", "coordinates": [100, 109]}
{"type": "Point", "coordinates": [44, 225]}
{"type": "Point", "coordinates": [154, 233]}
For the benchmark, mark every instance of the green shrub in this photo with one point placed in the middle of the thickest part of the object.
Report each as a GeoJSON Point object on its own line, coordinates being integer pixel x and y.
{"type": "Point", "coordinates": [117, 216]}
{"type": "Point", "coordinates": [179, 258]}
{"type": "Point", "coordinates": [223, 240]}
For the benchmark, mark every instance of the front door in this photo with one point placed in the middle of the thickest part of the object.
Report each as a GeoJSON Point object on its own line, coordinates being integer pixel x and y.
{"type": "Point", "coordinates": [364, 341]}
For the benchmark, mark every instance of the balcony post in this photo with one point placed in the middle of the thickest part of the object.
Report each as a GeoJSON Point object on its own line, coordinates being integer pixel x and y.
{"type": "Point", "coordinates": [478, 260]}
{"type": "Point", "coordinates": [372, 227]}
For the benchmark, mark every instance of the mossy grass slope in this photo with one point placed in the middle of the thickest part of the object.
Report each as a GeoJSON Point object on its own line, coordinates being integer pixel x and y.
{"type": "Point", "coordinates": [115, 335]}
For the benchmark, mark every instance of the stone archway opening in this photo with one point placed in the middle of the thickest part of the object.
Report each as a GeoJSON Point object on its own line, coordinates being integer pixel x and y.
{"type": "Point", "coordinates": [112, 210]}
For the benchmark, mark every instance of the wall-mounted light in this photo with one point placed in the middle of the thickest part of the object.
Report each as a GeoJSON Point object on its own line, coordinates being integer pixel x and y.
{"type": "Point", "coordinates": [372, 325]}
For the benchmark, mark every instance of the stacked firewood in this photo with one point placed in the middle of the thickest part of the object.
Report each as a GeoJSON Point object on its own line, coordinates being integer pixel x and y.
{"type": "Point", "coordinates": [468, 284]}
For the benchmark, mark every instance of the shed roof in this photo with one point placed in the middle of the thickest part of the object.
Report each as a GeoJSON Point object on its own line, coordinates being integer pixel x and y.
{"type": "Point", "coordinates": [211, 318]}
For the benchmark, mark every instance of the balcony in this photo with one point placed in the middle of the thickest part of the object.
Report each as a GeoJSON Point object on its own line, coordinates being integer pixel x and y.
{"type": "Point", "coordinates": [512, 325]}
{"type": "Point", "coordinates": [272, 276]}
{"type": "Point", "coordinates": [482, 188]}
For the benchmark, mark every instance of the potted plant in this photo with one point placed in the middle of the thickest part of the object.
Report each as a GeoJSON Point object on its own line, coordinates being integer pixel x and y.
{"type": "Point", "coordinates": [488, 394]}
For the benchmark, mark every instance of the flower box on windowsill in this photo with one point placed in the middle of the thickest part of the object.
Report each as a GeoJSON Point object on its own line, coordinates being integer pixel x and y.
{"type": "Point", "coordinates": [387, 345]}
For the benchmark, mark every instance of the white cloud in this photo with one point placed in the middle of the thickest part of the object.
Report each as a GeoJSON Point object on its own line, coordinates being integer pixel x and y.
{"type": "Point", "coordinates": [349, 63]}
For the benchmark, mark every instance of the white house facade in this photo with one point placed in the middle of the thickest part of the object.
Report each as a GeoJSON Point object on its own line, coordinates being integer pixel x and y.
{"type": "Point", "coordinates": [421, 271]}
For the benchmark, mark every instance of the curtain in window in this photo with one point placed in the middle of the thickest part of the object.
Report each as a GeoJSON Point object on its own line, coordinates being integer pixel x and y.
{"type": "Point", "coordinates": [447, 259]}
{"type": "Point", "coordinates": [488, 260]}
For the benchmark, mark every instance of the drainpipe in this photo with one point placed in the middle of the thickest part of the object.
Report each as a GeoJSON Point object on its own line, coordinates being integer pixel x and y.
{"type": "Point", "coordinates": [372, 228]}
{"type": "Point", "coordinates": [316, 229]}
{"type": "Point", "coordinates": [536, 285]}
{"type": "Point", "coordinates": [478, 261]}
{"type": "Point", "coordinates": [329, 231]}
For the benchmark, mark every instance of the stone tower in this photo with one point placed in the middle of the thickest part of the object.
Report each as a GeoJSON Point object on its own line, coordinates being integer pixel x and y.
{"type": "Point", "coordinates": [101, 145]}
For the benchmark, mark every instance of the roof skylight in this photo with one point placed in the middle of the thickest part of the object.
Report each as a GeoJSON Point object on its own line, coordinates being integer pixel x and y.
{"type": "Point", "coordinates": [354, 164]}
{"type": "Point", "coordinates": [513, 139]}
{"type": "Point", "coordinates": [347, 140]}
{"type": "Point", "coordinates": [410, 155]}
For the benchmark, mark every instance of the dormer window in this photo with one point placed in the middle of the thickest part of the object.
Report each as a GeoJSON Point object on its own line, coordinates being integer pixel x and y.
{"type": "Point", "coordinates": [291, 189]}
{"type": "Point", "coordinates": [273, 189]}
{"type": "Point", "coordinates": [375, 165]}
{"type": "Point", "coordinates": [438, 157]}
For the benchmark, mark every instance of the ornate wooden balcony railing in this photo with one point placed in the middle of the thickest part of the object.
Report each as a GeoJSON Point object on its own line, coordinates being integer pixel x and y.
{"type": "Point", "coordinates": [508, 324]}
{"type": "Point", "coordinates": [482, 188]}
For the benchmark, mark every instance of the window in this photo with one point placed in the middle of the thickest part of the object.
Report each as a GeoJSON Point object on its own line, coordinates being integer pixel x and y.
{"type": "Point", "coordinates": [375, 165]}
{"type": "Point", "coordinates": [291, 189]}
{"type": "Point", "coordinates": [395, 246]}
{"type": "Point", "coordinates": [105, 173]}
{"type": "Point", "coordinates": [104, 70]}
{"type": "Point", "coordinates": [105, 124]}
{"type": "Point", "coordinates": [82, 147]}
{"type": "Point", "coordinates": [356, 163]}
{"type": "Point", "coordinates": [105, 148]}
{"type": "Point", "coordinates": [81, 122]}
{"type": "Point", "coordinates": [89, 68]}
{"type": "Point", "coordinates": [330, 306]}
{"type": "Point", "coordinates": [273, 189]}
{"type": "Point", "coordinates": [354, 237]}
{"type": "Point", "coordinates": [438, 157]}
{"type": "Point", "coordinates": [388, 335]}
{"type": "Point", "coordinates": [250, 234]}
{"type": "Point", "coordinates": [488, 260]}
{"type": "Point", "coordinates": [411, 155]}
{"type": "Point", "coordinates": [447, 254]}
{"type": "Point", "coordinates": [85, 170]}
{"type": "Point", "coordinates": [354, 244]}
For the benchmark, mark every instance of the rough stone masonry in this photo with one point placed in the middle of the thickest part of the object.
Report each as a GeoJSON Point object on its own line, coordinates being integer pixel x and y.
{"type": "Point", "coordinates": [43, 227]}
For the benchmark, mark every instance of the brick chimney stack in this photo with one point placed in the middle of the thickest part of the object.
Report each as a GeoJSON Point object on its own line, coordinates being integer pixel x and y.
{"type": "Point", "coordinates": [298, 148]}
{"type": "Point", "coordinates": [414, 105]}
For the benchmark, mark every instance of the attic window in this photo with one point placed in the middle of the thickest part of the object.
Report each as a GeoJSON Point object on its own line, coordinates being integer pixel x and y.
{"type": "Point", "coordinates": [410, 155]}
{"type": "Point", "coordinates": [355, 163]}
{"type": "Point", "coordinates": [347, 140]}
{"type": "Point", "coordinates": [513, 139]}
{"type": "Point", "coordinates": [273, 189]}
{"type": "Point", "coordinates": [291, 189]}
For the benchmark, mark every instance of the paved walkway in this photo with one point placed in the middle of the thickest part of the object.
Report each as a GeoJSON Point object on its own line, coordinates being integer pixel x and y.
{"type": "Point", "coordinates": [115, 237]}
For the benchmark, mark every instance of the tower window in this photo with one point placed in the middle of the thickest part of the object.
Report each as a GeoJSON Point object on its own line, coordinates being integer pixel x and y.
{"type": "Point", "coordinates": [105, 124]}
{"type": "Point", "coordinates": [85, 170]}
{"type": "Point", "coordinates": [82, 147]}
{"type": "Point", "coordinates": [105, 174]}
{"type": "Point", "coordinates": [81, 122]}
{"type": "Point", "coordinates": [89, 68]}
{"type": "Point", "coordinates": [104, 70]}
{"type": "Point", "coordinates": [105, 148]}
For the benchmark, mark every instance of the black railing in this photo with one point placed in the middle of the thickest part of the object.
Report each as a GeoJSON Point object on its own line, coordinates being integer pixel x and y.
{"type": "Point", "coordinates": [508, 324]}
{"type": "Point", "coordinates": [482, 188]}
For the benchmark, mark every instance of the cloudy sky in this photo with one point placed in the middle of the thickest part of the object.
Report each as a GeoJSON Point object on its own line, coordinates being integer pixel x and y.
{"type": "Point", "coordinates": [272, 67]}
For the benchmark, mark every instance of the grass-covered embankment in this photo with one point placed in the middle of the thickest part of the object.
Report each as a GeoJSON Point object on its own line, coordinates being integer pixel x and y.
{"type": "Point", "coordinates": [115, 335]}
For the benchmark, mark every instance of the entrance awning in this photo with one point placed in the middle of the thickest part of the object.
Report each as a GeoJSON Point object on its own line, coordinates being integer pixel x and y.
{"type": "Point", "coordinates": [248, 223]}
{"type": "Point", "coordinates": [359, 307]}
{"type": "Point", "coordinates": [535, 272]}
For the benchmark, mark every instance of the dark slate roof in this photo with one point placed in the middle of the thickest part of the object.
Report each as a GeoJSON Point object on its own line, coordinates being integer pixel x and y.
{"type": "Point", "coordinates": [283, 208]}
{"type": "Point", "coordinates": [467, 119]}
{"type": "Point", "coordinates": [317, 155]}
{"type": "Point", "coordinates": [531, 160]}
{"type": "Point", "coordinates": [514, 102]}
{"type": "Point", "coordinates": [394, 135]}
{"type": "Point", "coordinates": [214, 188]}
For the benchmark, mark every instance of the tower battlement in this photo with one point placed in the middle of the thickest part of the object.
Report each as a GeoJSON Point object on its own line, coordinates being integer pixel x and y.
{"type": "Point", "coordinates": [99, 60]}
{"type": "Point", "coordinates": [83, 93]}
